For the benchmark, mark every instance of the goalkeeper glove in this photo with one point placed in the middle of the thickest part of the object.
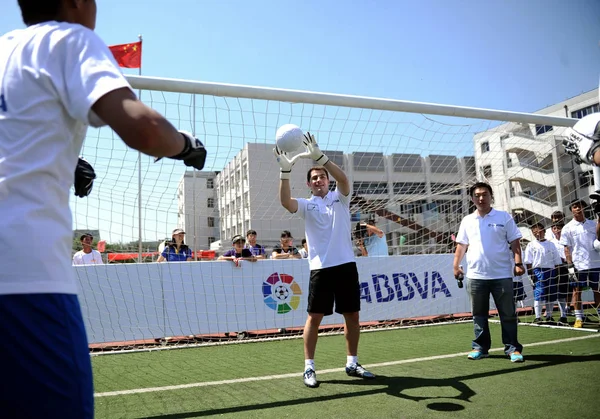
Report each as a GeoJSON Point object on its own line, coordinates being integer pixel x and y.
{"type": "Point", "coordinates": [193, 153]}
{"type": "Point", "coordinates": [285, 163]}
{"type": "Point", "coordinates": [572, 270]}
{"type": "Point", "coordinates": [84, 178]}
{"type": "Point", "coordinates": [313, 150]}
{"type": "Point", "coordinates": [532, 279]}
{"type": "Point", "coordinates": [583, 140]}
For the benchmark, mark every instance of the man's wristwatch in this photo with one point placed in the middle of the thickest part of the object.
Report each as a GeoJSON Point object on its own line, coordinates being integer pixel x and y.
{"type": "Point", "coordinates": [519, 264]}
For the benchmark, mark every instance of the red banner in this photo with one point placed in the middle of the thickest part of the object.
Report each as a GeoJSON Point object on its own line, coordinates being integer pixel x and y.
{"type": "Point", "coordinates": [128, 55]}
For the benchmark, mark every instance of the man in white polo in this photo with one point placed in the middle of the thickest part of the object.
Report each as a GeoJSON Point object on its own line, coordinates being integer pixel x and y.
{"type": "Point", "coordinates": [583, 261]}
{"type": "Point", "coordinates": [488, 237]}
{"type": "Point", "coordinates": [87, 256]}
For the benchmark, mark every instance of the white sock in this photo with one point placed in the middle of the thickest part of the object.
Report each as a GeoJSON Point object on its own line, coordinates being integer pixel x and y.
{"type": "Point", "coordinates": [351, 360]}
{"type": "Point", "coordinates": [549, 308]}
{"type": "Point", "coordinates": [562, 305]}
{"type": "Point", "coordinates": [537, 309]}
{"type": "Point", "coordinates": [579, 314]}
{"type": "Point", "coordinates": [309, 364]}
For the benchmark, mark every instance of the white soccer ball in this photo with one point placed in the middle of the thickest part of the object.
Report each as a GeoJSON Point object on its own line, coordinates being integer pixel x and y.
{"type": "Point", "coordinates": [289, 138]}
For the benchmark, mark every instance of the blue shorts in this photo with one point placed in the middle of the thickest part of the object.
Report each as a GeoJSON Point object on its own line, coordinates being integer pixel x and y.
{"type": "Point", "coordinates": [587, 278]}
{"type": "Point", "coordinates": [545, 286]}
{"type": "Point", "coordinates": [44, 358]}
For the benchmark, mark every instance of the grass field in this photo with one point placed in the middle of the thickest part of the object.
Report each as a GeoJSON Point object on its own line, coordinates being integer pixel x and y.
{"type": "Point", "coordinates": [422, 372]}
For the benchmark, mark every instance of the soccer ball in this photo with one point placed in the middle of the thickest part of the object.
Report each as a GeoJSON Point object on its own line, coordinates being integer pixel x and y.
{"type": "Point", "coordinates": [289, 138]}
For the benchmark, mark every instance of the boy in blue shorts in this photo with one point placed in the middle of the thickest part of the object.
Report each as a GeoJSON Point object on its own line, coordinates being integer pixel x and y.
{"type": "Point", "coordinates": [541, 259]}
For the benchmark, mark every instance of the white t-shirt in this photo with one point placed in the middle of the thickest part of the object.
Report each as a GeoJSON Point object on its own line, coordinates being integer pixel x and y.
{"type": "Point", "coordinates": [327, 225]}
{"type": "Point", "coordinates": [50, 76]}
{"type": "Point", "coordinates": [579, 238]}
{"type": "Point", "coordinates": [488, 239]}
{"type": "Point", "coordinates": [92, 258]}
{"type": "Point", "coordinates": [549, 234]}
{"type": "Point", "coordinates": [559, 247]}
{"type": "Point", "coordinates": [541, 255]}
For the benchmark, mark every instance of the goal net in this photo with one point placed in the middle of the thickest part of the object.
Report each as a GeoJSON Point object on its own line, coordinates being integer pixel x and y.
{"type": "Point", "coordinates": [410, 166]}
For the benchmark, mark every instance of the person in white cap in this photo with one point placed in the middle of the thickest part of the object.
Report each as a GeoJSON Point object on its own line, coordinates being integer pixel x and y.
{"type": "Point", "coordinates": [176, 250]}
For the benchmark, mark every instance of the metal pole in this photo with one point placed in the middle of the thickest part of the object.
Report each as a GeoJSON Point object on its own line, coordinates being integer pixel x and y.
{"type": "Point", "coordinates": [194, 181]}
{"type": "Point", "coordinates": [140, 250]}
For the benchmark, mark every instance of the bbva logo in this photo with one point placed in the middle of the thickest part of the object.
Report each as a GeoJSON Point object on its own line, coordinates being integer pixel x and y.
{"type": "Point", "coordinates": [403, 287]}
{"type": "Point", "coordinates": [281, 293]}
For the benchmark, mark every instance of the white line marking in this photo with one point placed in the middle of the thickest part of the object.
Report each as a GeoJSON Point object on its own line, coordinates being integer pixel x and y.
{"type": "Point", "coordinates": [321, 372]}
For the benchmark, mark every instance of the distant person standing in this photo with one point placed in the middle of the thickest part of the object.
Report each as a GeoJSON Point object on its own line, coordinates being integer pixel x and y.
{"type": "Point", "coordinates": [286, 248]}
{"type": "Point", "coordinates": [255, 248]}
{"type": "Point", "coordinates": [176, 250]}
{"type": "Point", "coordinates": [304, 250]}
{"type": "Point", "coordinates": [87, 256]}
{"type": "Point", "coordinates": [488, 237]}
{"type": "Point", "coordinates": [372, 242]}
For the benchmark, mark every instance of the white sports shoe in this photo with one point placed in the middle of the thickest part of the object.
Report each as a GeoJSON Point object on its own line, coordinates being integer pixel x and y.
{"type": "Point", "coordinates": [310, 378]}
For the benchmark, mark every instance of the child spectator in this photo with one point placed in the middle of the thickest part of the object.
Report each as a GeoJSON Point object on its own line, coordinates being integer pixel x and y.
{"type": "Point", "coordinates": [238, 253]}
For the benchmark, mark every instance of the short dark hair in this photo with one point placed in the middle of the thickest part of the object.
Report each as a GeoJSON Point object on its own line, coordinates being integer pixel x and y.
{"type": "Point", "coordinates": [480, 185]}
{"type": "Point", "coordinates": [557, 214]}
{"type": "Point", "coordinates": [303, 241]}
{"type": "Point", "coordinates": [250, 232]}
{"type": "Point", "coordinates": [37, 11]}
{"type": "Point", "coordinates": [537, 225]}
{"type": "Point", "coordinates": [286, 233]}
{"type": "Point", "coordinates": [86, 235]}
{"type": "Point", "coordinates": [308, 174]}
{"type": "Point", "coordinates": [579, 201]}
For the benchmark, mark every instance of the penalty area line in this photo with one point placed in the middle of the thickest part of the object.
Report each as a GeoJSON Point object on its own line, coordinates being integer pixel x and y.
{"type": "Point", "coordinates": [321, 372]}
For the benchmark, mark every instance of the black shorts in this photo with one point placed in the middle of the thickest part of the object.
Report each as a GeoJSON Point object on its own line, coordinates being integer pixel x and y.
{"type": "Point", "coordinates": [562, 281]}
{"type": "Point", "coordinates": [337, 284]}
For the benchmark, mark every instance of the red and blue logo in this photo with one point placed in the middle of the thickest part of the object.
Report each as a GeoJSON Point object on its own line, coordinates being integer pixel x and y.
{"type": "Point", "coordinates": [281, 293]}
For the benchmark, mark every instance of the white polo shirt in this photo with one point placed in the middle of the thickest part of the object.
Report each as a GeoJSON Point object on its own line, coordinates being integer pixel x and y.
{"type": "Point", "coordinates": [541, 255]}
{"type": "Point", "coordinates": [50, 76]}
{"type": "Point", "coordinates": [328, 230]}
{"type": "Point", "coordinates": [488, 239]}
{"type": "Point", "coordinates": [559, 247]}
{"type": "Point", "coordinates": [579, 238]}
{"type": "Point", "coordinates": [92, 258]}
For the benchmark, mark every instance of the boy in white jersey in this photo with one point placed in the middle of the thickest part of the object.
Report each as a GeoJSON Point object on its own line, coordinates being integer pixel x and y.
{"type": "Point", "coordinates": [333, 272]}
{"type": "Point", "coordinates": [87, 256]}
{"type": "Point", "coordinates": [56, 78]}
{"type": "Point", "coordinates": [563, 292]}
{"type": "Point", "coordinates": [583, 260]}
{"type": "Point", "coordinates": [541, 258]}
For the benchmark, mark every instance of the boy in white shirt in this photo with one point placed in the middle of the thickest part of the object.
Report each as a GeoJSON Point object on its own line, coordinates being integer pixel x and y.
{"type": "Point", "coordinates": [87, 256]}
{"type": "Point", "coordinates": [541, 259]}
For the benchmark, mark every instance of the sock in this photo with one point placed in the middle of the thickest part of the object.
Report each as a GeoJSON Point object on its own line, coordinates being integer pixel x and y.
{"type": "Point", "coordinates": [537, 309]}
{"type": "Point", "coordinates": [309, 364]}
{"type": "Point", "coordinates": [562, 305]}
{"type": "Point", "coordinates": [351, 360]}
{"type": "Point", "coordinates": [579, 314]}
{"type": "Point", "coordinates": [549, 308]}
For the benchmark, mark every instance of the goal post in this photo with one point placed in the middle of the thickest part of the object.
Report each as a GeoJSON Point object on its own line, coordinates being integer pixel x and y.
{"type": "Point", "coordinates": [410, 165]}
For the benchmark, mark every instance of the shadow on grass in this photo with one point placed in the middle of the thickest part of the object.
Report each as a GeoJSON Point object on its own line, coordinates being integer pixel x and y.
{"type": "Point", "coordinates": [396, 386]}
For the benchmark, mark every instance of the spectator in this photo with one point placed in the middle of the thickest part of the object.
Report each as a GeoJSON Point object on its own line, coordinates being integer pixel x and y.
{"type": "Point", "coordinates": [541, 259]}
{"type": "Point", "coordinates": [557, 217]}
{"type": "Point", "coordinates": [286, 249]}
{"type": "Point", "coordinates": [488, 236]}
{"type": "Point", "coordinates": [371, 240]}
{"type": "Point", "coordinates": [333, 272]}
{"type": "Point", "coordinates": [563, 292]}
{"type": "Point", "coordinates": [87, 256]}
{"type": "Point", "coordinates": [304, 250]}
{"type": "Point", "coordinates": [256, 249]}
{"type": "Point", "coordinates": [238, 252]}
{"type": "Point", "coordinates": [176, 250]}
{"type": "Point", "coordinates": [583, 261]}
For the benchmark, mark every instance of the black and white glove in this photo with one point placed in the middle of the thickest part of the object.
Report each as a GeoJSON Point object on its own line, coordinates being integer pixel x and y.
{"type": "Point", "coordinates": [532, 279]}
{"type": "Point", "coordinates": [595, 203]}
{"type": "Point", "coordinates": [285, 163]}
{"type": "Point", "coordinates": [193, 154]}
{"type": "Point", "coordinates": [583, 140]}
{"type": "Point", "coordinates": [313, 151]}
{"type": "Point", "coordinates": [572, 272]}
{"type": "Point", "coordinates": [84, 178]}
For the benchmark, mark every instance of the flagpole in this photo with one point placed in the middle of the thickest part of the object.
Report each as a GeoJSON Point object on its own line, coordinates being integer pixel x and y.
{"type": "Point", "coordinates": [140, 175]}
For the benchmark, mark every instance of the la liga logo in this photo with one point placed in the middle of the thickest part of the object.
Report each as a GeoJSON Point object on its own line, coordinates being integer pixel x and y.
{"type": "Point", "coordinates": [281, 293]}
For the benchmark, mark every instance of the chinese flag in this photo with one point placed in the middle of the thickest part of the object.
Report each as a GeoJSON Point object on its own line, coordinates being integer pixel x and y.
{"type": "Point", "coordinates": [128, 55]}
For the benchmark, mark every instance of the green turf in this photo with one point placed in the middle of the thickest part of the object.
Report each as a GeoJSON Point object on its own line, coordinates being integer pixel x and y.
{"type": "Point", "coordinates": [451, 387]}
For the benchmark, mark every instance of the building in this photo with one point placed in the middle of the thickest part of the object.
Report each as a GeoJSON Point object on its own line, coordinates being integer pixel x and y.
{"type": "Point", "coordinates": [418, 201]}
{"type": "Point", "coordinates": [198, 213]}
{"type": "Point", "coordinates": [528, 169]}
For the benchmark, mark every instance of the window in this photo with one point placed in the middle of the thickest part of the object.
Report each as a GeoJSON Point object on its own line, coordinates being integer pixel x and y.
{"type": "Point", "coordinates": [541, 129]}
{"type": "Point", "coordinates": [245, 172]}
{"type": "Point", "coordinates": [485, 147]}
{"type": "Point", "coordinates": [211, 221]}
{"type": "Point", "coordinates": [370, 187]}
{"type": "Point", "coordinates": [410, 188]}
{"type": "Point", "coordinates": [211, 240]}
{"type": "Point", "coordinates": [210, 183]}
{"type": "Point", "coordinates": [446, 188]}
{"type": "Point", "coordinates": [585, 111]}
{"type": "Point", "coordinates": [210, 202]}
{"type": "Point", "coordinates": [503, 137]}
{"type": "Point", "coordinates": [487, 171]}
{"type": "Point", "coordinates": [246, 200]}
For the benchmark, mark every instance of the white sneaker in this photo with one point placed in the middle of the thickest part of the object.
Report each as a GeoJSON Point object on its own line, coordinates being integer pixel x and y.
{"type": "Point", "coordinates": [310, 378]}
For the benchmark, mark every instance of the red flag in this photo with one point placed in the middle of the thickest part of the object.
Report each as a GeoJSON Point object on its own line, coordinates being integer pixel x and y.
{"type": "Point", "coordinates": [128, 55]}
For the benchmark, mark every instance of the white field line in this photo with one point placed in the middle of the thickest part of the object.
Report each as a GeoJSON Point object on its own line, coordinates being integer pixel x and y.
{"type": "Point", "coordinates": [321, 372]}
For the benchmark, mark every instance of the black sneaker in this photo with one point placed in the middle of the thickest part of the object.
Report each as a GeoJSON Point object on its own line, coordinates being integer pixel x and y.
{"type": "Point", "coordinates": [357, 370]}
{"type": "Point", "coordinates": [537, 320]}
{"type": "Point", "coordinates": [310, 378]}
{"type": "Point", "coordinates": [563, 321]}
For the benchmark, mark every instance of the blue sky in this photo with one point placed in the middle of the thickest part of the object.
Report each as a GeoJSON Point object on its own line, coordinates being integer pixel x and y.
{"type": "Point", "coordinates": [513, 55]}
